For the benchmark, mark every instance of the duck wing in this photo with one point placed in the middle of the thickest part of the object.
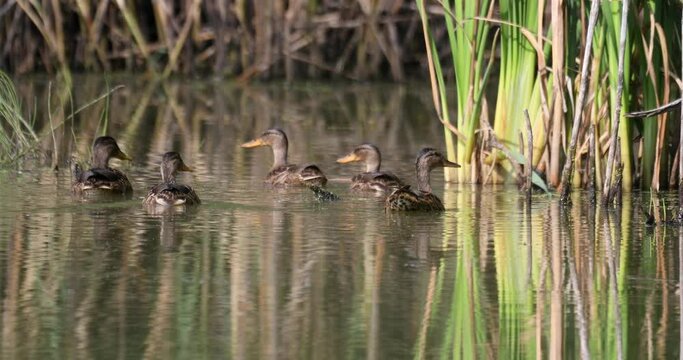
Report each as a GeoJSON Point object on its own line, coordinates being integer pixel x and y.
{"type": "Point", "coordinates": [311, 174]}
{"type": "Point", "coordinates": [292, 174]}
{"type": "Point", "coordinates": [103, 178]}
{"type": "Point", "coordinates": [170, 194]}
{"type": "Point", "coordinates": [376, 181]}
{"type": "Point", "coordinates": [405, 199]}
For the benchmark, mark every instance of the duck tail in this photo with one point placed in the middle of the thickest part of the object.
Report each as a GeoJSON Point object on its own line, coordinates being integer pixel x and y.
{"type": "Point", "coordinates": [76, 170]}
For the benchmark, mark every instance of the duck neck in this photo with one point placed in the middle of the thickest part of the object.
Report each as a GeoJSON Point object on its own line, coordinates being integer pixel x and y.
{"type": "Point", "coordinates": [423, 178]}
{"type": "Point", "coordinates": [372, 163]}
{"type": "Point", "coordinates": [279, 153]}
{"type": "Point", "coordinates": [100, 159]}
{"type": "Point", "coordinates": [167, 175]}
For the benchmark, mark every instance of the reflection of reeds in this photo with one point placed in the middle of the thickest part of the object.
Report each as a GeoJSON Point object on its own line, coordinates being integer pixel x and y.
{"type": "Point", "coordinates": [240, 272]}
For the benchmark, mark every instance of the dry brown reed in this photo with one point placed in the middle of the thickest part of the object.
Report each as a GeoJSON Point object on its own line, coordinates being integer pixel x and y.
{"type": "Point", "coordinates": [247, 39]}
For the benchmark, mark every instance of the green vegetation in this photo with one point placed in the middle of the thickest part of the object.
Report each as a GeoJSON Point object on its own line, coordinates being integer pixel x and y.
{"type": "Point", "coordinates": [18, 136]}
{"type": "Point", "coordinates": [16, 133]}
{"type": "Point", "coordinates": [537, 37]}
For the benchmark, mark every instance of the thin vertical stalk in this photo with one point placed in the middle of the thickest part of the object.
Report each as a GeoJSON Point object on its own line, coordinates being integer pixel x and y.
{"type": "Point", "coordinates": [591, 163]}
{"type": "Point", "coordinates": [557, 21]}
{"type": "Point", "coordinates": [530, 154]}
{"type": "Point", "coordinates": [680, 274]}
{"type": "Point", "coordinates": [680, 156]}
{"type": "Point", "coordinates": [568, 171]}
{"type": "Point", "coordinates": [617, 104]}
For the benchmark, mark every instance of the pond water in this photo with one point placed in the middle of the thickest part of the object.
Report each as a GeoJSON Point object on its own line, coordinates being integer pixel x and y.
{"type": "Point", "coordinates": [261, 273]}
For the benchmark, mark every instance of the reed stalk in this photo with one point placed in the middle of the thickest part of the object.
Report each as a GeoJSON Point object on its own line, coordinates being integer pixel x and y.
{"type": "Point", "coordinates": [558, 59]}
{"type": "Point", "coordinates": [680, 155]}
{"type": "Point", "coordinates": [617, 104]}
{"type": "Point", "coordinates": [568, 171]}
{"type": "Point", "coordinates": [16, 133]}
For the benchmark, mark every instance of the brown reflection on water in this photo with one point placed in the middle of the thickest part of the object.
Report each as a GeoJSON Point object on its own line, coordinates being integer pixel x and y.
{"type": "Point", "coordinates": [261, 273]}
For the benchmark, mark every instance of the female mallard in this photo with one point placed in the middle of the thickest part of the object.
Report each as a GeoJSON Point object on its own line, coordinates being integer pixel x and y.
{"type": "Point", "coordinates": [170, 193]}
{"type": "Point", "coordinates": [101, 176]}
{"type": "Point", "coordinates": [406, 199]}
{"type": "Point", "coordinates": [283, 173]}
{"type": "Point", "coordinates": [372, 179]}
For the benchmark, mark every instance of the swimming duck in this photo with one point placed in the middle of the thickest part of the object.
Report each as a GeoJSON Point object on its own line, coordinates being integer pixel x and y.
{"type": "Point", "coordinates": [372, 179]}
{"type": "Point", "coordinates": [101, 176]}
{"type": "Point", "coordinates": [406, 199]}
{"type": "Point", "coordinates": [169, 192]}
{"type": "Point", "coordinates": [282, 173]}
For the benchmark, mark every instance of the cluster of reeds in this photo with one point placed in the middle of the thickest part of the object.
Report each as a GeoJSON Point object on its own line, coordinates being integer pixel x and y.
{"type": "Point", "coordinates": [559, 60]}
{"type": "Point", "coordinates": [353, 39]}
{"type": "Point", "coordinates": [26, 131]}
{"type": "Point", "coordinates": [16, 132]}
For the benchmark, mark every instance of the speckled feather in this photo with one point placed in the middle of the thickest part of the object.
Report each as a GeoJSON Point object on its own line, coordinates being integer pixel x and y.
{"type": "Point", "coordinates": [101, 179]}
{"type": "Point", "coordinates": [405, 199]}
{"type": "Point", "coordinates": [375, 181]}
{"type": "Point", "coordinates": [171, 194]}
{"type": "Point", "coordinates": [292, 174]}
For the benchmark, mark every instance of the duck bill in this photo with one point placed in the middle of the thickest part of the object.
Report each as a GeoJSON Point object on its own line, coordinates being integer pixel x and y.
{"type": "Point", "coordinates": [348, 158]}
{"type": "Point", "coordinates": [254, 143]}
{"type": "Point", "coordinates": [121, 155]}
{"type": "Point", "coordinates": [184, 167]}
{"type": "Point", "coordinates": [447, 163]}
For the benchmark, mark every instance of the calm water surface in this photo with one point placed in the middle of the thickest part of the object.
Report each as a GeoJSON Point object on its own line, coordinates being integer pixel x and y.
{"type": "Point", "coordinates": [261, 273]}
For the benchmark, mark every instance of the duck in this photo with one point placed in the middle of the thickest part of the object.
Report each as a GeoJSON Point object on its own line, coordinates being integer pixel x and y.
{"type": "Point", "coordinates": [405, 199]}
{"type": "Point", "coordinates": [372, 179]}
{"type": "Point", "coordinates": [169, 192]}
{"type": "Point", "coordinates": [101, 176]}
{"type": "Point", "coordinates": [283, 173]}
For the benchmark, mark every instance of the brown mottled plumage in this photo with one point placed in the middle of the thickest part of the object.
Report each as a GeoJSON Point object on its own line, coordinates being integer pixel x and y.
{"type": "Point", "coordinates": [283, 173]}
{"type": "Point", "coordinates": [101, 177]}
{"type": "Point", "coordinates": [169, 192]}
{"type": "Point", "coordinates": [372, 179]}
{"type": "Point", "coordinates": [405, 199]}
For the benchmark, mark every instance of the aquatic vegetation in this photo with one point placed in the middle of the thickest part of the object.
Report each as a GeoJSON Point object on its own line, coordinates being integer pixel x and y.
{"type": "Point", "coordinates": [528, 44]}
{"type": "Point", "coordinates": [247, 39]}
{"type": "Point", "coordinates": [16, 133]}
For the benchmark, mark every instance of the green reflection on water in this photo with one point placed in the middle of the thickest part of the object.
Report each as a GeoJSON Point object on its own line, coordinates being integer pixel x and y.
{"type": "Point", "coordinates": [256, 273]}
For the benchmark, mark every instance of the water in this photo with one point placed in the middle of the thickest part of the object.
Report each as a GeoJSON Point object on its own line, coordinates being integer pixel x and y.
{"type": "Point", "coordinates": [261, 273]}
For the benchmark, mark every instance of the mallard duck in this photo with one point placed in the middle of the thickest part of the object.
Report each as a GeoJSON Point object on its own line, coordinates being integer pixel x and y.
{"type": "Point", "coordinates": [101, 176]}
{"type": "Point", "coordinates": [282, 173]}
{"type": "Point", "coordinates": [406, 199]}
{"type": "Point", "coordinates": [170, 193]}
{"type": "Point", "coordinates": [372, 179]}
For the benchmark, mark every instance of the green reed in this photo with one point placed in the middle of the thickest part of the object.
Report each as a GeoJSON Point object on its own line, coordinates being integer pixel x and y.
{"type": "Point", "coordinates": [529, 44]}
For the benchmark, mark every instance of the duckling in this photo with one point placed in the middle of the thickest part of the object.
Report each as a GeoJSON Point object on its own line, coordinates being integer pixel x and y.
{"type": "Point", "coordinates": [101, 176]}
{"type": "Point", "coordinates": [169, 192]}
{"type": "Point", "coordinates": [372, 179]}
{"type": "Point", "coordinates": [406, 199]}
{"type": "Point", "coordinates": [282, 173]}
